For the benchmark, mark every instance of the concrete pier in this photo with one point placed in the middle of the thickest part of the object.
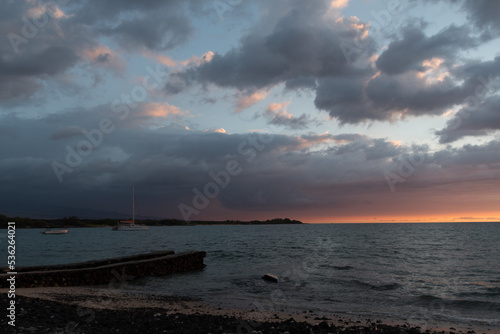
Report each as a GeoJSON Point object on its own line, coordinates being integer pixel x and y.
{"type": "Point", "coordinates": [108, 271]}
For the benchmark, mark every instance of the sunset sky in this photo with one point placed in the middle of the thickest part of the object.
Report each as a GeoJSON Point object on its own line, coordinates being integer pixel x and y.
{"type": "Point", "coordinates": [322, 111]}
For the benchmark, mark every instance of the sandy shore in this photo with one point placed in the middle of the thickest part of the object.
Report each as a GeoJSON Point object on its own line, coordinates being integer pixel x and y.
{"type": "Point", "coordinates": [101, 310]}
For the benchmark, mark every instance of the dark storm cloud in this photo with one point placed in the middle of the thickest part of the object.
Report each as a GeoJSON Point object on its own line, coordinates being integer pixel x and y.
{"type": "Point", "coordinates": [303, 50]}
{"type": "Point", "coordinates": [485, 158]}
{"type": "Point", "coordinates": [349, 137]}
{"type": "Point", "coordinates": [294, 122]}
{"type": "Point", "coordinates": [51, 60]}
{"type": "Point", "coordinates": [484, 14]}
{"type": "Point", "coordinates": [480, 77]}
{"type": "Point", "coordinates": [20, 74]}
{"type": "Point", "coordinates": [277, 115]}
{"type": "Point", "coordinates": [155, 25]}
{"type": "Point", "coordinates": [345, 99]}
{"type": "Point", "coordinates": [13, 88]}
{"type": "Point", "coordinates": [384, 97]}
{"type": "Point", "coordinates": [167, 32]}
{"type": "Point", "coordinates": [66, 132]}
{"type": "Point", "coordinates": [171, 160]}
{"type": "Point", "coordinates": [299, 47]}
{"type": "Point", "coordinates": [480, 121]}
{"type": "Point", "coordinates": [92, 11]}
{"type": "Point", "coordinates": [357, 98]}
{"type": "Point", "coordinates": [338, 177]}
{"type": "Point", "coordinates": [388, 93]}
{"type": "Point", "coordinates": [45, 39]}
{"type": "Point", "coordinates": [277, 171]}
{"type": "Point", "coordinates": [373, 149]}
{"type": "Point", "coordinates": [414, 47]}
{"type": "Point", "coordinates": [479, 115]}
{"type": "Point", "coordinates": [36, 48]}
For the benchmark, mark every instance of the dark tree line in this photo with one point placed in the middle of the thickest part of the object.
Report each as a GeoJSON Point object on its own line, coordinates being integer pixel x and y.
{"type": "Point", "coordinates": [73, 221]}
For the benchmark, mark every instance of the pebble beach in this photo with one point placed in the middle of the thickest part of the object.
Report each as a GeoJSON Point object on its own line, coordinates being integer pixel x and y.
{"type": "Point", "coordinates": [94, 310]}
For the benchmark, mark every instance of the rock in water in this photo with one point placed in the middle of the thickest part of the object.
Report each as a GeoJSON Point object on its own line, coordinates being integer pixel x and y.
{"type": "Point", "coordinates": [270, 278]}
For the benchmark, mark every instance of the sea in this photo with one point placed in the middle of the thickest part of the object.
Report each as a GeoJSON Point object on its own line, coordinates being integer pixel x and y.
{"type": "Point", "coordinates": [428, 274]}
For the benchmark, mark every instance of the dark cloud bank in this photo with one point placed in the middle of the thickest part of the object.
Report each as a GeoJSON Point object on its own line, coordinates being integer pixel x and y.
{"type": "Point", "coordinates": [275, 172]}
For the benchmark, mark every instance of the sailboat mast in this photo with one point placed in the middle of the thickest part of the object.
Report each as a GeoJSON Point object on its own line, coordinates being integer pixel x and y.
{"type": "Point", "coordinates": [133, 204]}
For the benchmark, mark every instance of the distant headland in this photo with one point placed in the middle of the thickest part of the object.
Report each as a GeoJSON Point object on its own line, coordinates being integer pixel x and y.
{"type": "Point", "coordinates": [24, 222]}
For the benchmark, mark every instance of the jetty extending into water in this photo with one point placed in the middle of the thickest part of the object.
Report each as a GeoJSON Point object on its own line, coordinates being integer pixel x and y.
{"type": "Point", "coordinates": [107, 271]}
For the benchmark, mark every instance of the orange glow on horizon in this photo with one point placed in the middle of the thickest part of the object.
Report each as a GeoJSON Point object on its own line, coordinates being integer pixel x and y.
{"type": "Point", "coordinates": [459, 218]}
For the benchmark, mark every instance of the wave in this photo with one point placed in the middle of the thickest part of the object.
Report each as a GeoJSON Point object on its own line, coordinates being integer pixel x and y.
{"type": "Point", "coordinates": [464, 304]}
{"type": "Point", "coordinates": [226, 255]}
{"type": "Point", "coordinates": [467, 320]}
{"type": "Point", "coordinates": [380, 286]}
{"type": "Point", "coordinates": [476, 304]}
{"type": "Point", "coordinates": [428, 298]}
{"type": "Point", "coordinates": [329, 266]}
{"type": "Point", "coordinates": [489, 292]}
{"type": "Point", "coordinates": [342, 267]}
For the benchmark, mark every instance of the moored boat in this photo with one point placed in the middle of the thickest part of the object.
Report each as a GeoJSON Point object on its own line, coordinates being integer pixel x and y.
{"type": "Point", "coordinates": [130, 225]}
{"type": "Point", "coordinates": [51, 231]}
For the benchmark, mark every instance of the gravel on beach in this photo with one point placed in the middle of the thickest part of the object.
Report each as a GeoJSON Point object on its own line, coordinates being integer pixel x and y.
{"type": "Point", "coordinates": [35, 315]}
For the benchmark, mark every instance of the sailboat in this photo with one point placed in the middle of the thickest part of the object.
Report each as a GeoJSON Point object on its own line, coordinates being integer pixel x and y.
{"type": "Point", "coordinates": [130, 225]}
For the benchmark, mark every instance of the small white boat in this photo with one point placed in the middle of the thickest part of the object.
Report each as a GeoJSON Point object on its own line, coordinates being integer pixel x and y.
{"type": "Point", "coordinates": [130, 225]}
{"type": "Point", "coordinates": [51, 231]}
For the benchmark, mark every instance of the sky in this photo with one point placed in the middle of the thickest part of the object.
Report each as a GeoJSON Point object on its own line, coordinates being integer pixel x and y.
{"type": "Point", "coordinates": [322, 111]}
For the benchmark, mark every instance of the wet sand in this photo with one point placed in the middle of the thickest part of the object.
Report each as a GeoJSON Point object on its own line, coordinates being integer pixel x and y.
{"type": "Point", "coordinates": [101, 310]}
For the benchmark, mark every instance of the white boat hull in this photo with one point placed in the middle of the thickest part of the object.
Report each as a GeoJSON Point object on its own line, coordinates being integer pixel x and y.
{"type": "Point", "coordinates": [131, 228]}
{"type": "Point", "coordinates": [55, 232]}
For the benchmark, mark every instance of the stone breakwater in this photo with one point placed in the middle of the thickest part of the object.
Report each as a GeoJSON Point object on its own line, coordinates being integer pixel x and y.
{"type": "Point", "coordinates": [106, 271]}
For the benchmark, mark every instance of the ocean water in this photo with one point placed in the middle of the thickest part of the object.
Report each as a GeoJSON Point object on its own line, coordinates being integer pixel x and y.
{"type": "Point", "coordinates": [422, 273]}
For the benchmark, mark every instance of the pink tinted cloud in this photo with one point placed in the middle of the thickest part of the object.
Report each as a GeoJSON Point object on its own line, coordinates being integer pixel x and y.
{"type": "Point", "coordinates": [103, 56]}
{"type": "Point", "coordinates": [245, 101]}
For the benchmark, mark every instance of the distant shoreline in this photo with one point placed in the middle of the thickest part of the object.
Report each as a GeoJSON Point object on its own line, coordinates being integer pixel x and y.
{"type": "Point", "coordinates": [75, 222]}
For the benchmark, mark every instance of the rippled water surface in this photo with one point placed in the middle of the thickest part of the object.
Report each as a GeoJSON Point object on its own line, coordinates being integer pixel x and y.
{"type": "Point", "coordinates": [449, 272]}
